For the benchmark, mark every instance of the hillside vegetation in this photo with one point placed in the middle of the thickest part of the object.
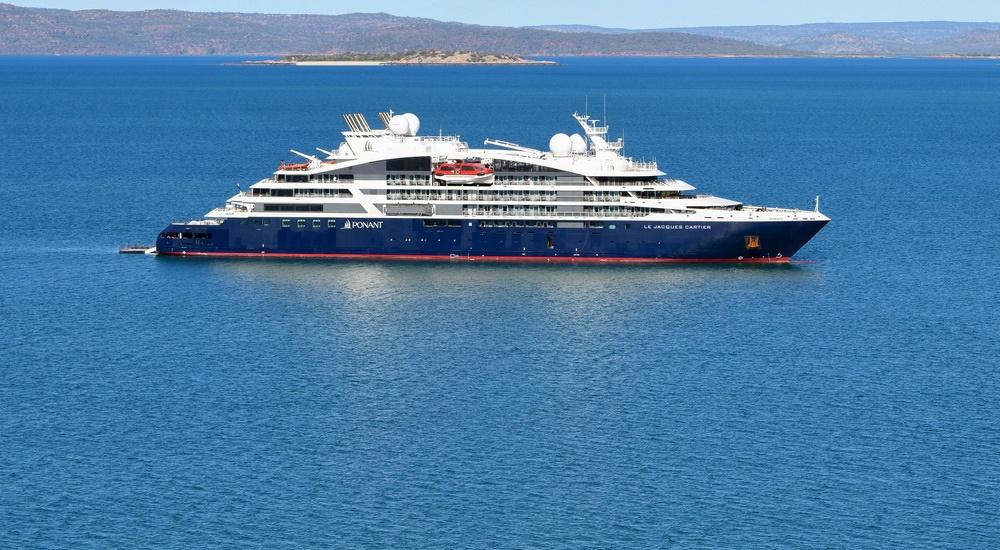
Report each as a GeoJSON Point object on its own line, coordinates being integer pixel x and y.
{"type": "Point", "coordinates": [103, 32]}
{"type": "Point", "coordinates": [908, 38]}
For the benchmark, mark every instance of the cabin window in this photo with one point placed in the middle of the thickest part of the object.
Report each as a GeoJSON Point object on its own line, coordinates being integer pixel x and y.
{"type": "Point", "coordinates": [317, 224]}
{"type": "Point", "coordinates": [331, 223]}
{"type": "Point", "coordinates": [301, 223]}
{"type": "Point", "coordinates": [286, 223]}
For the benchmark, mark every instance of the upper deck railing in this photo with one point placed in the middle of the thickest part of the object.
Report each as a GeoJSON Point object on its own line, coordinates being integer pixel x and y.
{"type": "Point", "coordinates": [500, 181]}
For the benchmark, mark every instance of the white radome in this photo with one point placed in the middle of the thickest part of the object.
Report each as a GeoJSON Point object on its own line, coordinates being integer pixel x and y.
{"type": "Point", "coordinates": [399, 125]}
{"type": "Point", "coordinates": [414, 123]}
{"type": "Point", "coordinates": [579, 145]}
{"type": "Point", "coordinates": [561, 145]}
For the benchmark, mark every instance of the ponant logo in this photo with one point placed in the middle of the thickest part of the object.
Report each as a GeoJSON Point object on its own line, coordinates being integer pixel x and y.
{"type": "Point", "coordinates": [348, 224]}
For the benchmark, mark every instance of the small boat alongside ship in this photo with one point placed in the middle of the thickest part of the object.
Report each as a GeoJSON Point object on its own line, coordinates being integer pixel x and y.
{"type": "Point", "coordinates": [390, 193]}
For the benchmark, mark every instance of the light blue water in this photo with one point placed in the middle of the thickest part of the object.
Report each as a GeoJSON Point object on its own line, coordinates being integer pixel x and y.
{"type": "Point", "coordinates": [850, 401]}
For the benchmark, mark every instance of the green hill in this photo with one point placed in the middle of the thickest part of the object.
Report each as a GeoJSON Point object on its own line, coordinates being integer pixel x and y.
{"type": "Point", "coordinates": [169, 32]}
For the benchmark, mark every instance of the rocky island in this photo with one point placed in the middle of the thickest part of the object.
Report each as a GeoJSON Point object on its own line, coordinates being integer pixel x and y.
{"type": "Point", "coordinates": [417, 57]}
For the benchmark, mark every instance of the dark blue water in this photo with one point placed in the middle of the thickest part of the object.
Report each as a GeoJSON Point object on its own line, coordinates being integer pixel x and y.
{"type": "Point", "coordinates": [849, 401]}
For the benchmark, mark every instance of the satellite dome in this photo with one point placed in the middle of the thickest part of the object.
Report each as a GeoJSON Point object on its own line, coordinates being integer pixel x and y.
{"type": "Point", "coordinates": [560, 145]}
{"type": "Point", "coordinates": [399, 125]}
{"type": "Point", "coordinates": [579, 146]}
{"type": "Point", "coordinates": [414, 123]}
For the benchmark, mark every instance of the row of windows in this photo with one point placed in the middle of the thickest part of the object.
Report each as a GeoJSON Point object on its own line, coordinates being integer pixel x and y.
{"type": "Point", "coordinates": [506, 210]}
{"type": "Point", "coordinates": [513, 196]}
{"type": "Point", "coordinates": [621, 210]}
{"type": "Point", "coordinates": [658, 194]}
{"type": "Point", "coordinates": [527, 179]}
{"type": "Point", "coordinates": [408, 179]}
{"type": "Point", "coordinates": [626, 180]}
{"type": "Point", "coordinates": [266, 222]}
{"type": "Point", "coordinates": [328, 177]}
{"type": "Point", "coordinates": [293, 207]}
{"type": "Point", "coordinates": [322, 178]}
{"type": "Point", "coordinates": [326, 193]}
{"type": "Point", "coordinates": [184, 235]}
{"type": "Point", "coordinates": [301, 224]}
{"type": "Point", "coordinates": [532, 210]}
{"type": "Point", "coordinates": [516, 223]}
{"type": "Point", "coordinates": [442, 223]}
{"type": "Point", "coordinates": [500, 165]}
{"type": "Point", "coordinates": [457, 195]}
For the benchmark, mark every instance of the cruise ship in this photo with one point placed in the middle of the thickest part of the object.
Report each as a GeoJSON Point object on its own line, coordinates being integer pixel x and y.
{"type": "Point", "coordinates": [391, 193]}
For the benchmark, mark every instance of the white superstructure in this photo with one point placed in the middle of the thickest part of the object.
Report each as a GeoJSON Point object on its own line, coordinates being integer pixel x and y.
{"type": "Point", "coordinates": [387, 171]}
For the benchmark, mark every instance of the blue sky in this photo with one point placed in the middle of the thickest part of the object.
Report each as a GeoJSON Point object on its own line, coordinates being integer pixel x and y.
{"type": "Point", "coordinates": [619, 13]}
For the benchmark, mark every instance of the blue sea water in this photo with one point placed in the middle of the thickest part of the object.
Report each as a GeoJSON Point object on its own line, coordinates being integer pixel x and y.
{"type": "Point", "coordinates": [850, 400]}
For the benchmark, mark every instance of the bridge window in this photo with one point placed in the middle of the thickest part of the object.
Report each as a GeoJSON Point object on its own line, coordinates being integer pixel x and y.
{"type": "Point", "coordinates": [409, 164]}
{"type": "Point", "coordinates": [293, 208]}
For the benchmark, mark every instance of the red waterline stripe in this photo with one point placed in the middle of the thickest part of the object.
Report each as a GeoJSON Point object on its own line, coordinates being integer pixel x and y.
{"type": "Point", "coordinates": [514, 259]}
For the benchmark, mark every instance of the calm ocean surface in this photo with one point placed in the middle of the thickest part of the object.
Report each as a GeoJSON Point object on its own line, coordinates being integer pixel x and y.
{"type": "Point", "coordinates": [850, 400]}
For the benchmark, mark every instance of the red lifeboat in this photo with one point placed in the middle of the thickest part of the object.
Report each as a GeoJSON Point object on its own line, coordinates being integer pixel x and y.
{"type": "Point", "coordinates": [463, 172]}
{"type": "Point", "coordinates": [302, 166]}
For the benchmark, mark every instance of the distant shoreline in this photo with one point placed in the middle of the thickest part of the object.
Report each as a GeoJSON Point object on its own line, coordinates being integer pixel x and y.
{"type": "Point", "coordinates": [387, 62]}
{"type": "Point", "coordinates": [378, 63]}
{"type": "Point", "coordinates": [413, 57]}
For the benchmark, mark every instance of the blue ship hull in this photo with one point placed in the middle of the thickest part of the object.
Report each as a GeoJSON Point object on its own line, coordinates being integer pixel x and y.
{"type": "Point", "coordinates": [407, 238]}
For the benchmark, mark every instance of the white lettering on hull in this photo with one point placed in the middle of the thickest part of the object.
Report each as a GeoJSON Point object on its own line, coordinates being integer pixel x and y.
{"type": "Point", "coordinates": [676, 226]}
{"type": "Point", "coordinates": [362, 225]}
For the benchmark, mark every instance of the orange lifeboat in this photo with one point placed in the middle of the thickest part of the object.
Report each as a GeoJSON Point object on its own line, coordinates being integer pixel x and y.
{"type": "Point", "coordinates": [302, 166]}
{"type": "Point", "coordinates": [463, 172]}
